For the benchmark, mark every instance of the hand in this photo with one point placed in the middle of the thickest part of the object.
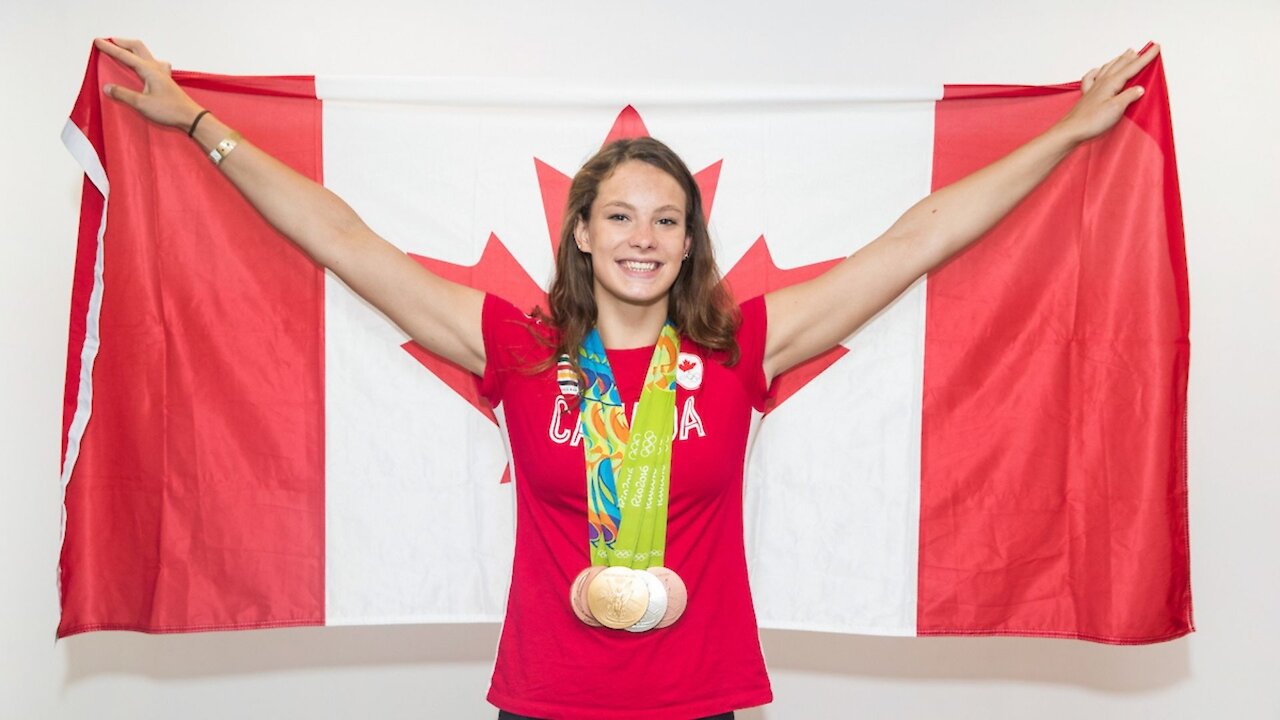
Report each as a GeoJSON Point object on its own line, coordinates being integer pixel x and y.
{"type": "Point", "coordinates": [1103, 100]}
{"type": "Point", "coordinates": [161, 100]}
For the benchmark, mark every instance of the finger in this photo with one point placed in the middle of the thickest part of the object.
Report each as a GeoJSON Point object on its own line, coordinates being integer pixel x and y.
{"type": "Point", "coordinates": [1102, 73]}
{"type": "Point", "coordinates": [1126, 60]}
{"type": "Point", "coordinates": [1129, 95]}
{"type": "Point", "coordinates": [1135, 67]}
{"type": "Point", "coordinates": [134, 46]}
{"type": "Point", "coordinates": [124, 95]}
{"type": "Point", "coordinates": [126, 58]}
{"type": "Point", "coordinates": [1086, 82]}
{"type": "Point", "coordinates": [1112, 79]}
{"type": "Point", "coordinates": [1107, 68]}
{"type": "Point", "coordinates": [1121, 62]}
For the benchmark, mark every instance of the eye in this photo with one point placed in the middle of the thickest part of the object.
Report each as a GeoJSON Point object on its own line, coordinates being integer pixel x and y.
{"type": "Point", "coordinates": [618, 216]}
{"type": "Point", "coordinates": [669, 221]}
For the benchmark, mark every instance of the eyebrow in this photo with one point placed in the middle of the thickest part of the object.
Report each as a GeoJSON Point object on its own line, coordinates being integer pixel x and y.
{"type": "Point", "coordinates": [629, 206]}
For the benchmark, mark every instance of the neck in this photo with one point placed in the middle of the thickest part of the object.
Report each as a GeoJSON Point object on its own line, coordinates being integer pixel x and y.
{"type": "Point", "coordinates": [623, 325]}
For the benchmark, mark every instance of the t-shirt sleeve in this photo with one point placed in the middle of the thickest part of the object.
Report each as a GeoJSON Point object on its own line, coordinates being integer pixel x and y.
{"type": "Point", "coordinates": [751, 340]}
{"type": "Point", "coordinates": [509, 346]}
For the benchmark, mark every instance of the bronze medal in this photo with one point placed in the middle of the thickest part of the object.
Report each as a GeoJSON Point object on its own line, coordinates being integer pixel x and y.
{"type": "Point", "coordinates": [617, 597]}
{"type": "Point", "coordinates": [578, 595]}
{"type": "Point", "coordinates": [677, 594]}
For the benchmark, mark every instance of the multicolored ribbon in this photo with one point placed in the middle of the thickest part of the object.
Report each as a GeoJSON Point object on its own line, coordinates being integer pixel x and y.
{"type": "Point", "coordinates": [628, 468]}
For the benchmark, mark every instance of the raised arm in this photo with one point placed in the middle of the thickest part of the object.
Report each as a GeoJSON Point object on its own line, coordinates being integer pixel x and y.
{"type": "Point", "coordinates": [441, 315]}
{"type": "Point", "coordinates": [811, 317]}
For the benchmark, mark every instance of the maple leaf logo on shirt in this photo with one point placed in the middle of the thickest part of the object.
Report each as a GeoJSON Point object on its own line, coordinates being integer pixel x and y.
{"type": "Point", "coordinates": [498, 272]}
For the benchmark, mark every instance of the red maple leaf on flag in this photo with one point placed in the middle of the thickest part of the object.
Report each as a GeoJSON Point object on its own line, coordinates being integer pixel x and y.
{"type": "Point", "coordinates": [498, 272]}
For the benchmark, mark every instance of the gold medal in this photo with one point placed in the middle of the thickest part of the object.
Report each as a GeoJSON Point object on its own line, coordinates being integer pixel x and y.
{"type": "Point", "coordinates": [626, 599]}
{"type": "Point", "coordinates": [677, 594]}
{"type": "Point", "coordinates": [617, 597]}
{"type": "Point", "coordinates": [578, 595]}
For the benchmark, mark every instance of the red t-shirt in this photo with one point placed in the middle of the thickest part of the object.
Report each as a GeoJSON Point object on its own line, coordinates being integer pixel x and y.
{"type": "Point", "coordinates": [550, 664]}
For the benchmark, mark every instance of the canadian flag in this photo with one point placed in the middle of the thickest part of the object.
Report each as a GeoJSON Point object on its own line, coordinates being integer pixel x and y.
{"type": "Point", "coordinates": [1000, 451]}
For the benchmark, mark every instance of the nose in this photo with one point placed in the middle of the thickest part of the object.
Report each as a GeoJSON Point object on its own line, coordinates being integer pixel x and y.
{"type": "Point", "coordinates": [643, 238]}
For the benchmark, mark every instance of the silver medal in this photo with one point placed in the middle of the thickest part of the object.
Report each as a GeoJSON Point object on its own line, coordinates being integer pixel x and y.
{"type": "Point", "coordinates": [657, 604]}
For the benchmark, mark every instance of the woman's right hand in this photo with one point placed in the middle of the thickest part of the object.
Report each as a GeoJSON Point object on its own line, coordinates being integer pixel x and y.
{"type": "Point", "coordinates": [161, 100]}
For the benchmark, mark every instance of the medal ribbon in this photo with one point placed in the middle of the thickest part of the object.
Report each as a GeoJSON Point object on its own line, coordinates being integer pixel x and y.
{"type": "Point", "coordinates": [628, 468]}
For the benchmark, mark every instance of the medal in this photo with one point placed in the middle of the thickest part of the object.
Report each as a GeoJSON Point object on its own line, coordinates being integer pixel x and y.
{"type": "Point", "coordinates": [628, 466]}
{"type": "Point", "coordinates": [578, 594]}
{"type": "Point", "coordinates": [618, 597]}
{"type": "Point", "coordinates": [657, 603]}
{"type": "Point", "coordinates": [676, 593]}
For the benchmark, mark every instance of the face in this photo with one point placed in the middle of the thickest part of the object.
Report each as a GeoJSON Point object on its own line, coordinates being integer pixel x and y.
{"type": "Point", "coordinates": [636, 234]}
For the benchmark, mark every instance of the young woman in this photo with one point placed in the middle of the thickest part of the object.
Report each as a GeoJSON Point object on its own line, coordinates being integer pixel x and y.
{"type": "Point", "coordinates": [631, 622]}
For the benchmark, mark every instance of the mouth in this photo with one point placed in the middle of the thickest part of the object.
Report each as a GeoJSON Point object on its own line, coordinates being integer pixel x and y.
{"type": "Point", "coordinates": [639, 267]}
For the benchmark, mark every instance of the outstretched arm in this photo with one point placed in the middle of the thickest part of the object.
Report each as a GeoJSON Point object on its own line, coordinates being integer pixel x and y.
{"type": "Point", "coordinates": [441, 315]}
{"type": "Point", "coordinates": [811, 317]}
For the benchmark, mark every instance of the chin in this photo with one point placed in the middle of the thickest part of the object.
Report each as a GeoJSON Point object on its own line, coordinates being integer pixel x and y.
{"type": "Point", "coordinates": [645, 296]}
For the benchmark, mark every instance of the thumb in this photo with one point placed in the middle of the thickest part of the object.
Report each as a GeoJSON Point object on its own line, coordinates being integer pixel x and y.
{"type": "Point", "coordinates": [1130, 95]}
{"type": "Point", "coordinates": [123, 95]}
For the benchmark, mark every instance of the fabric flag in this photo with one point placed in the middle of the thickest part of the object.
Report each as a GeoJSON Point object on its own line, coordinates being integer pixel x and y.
{"type": "Point", "coordinates": [1000, 451]}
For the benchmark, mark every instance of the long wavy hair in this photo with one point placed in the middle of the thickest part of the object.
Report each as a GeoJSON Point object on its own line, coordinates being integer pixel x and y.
{"type": "Point", "coordinates": [697, 303]}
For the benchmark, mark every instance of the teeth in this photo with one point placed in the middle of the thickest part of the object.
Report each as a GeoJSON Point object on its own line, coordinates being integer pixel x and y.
{"type": "Point", "coordinates": [639, 266]}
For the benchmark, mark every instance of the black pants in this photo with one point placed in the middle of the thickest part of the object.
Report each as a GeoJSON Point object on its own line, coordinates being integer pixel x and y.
{"type": "Point", "coordinates": [504, 715]}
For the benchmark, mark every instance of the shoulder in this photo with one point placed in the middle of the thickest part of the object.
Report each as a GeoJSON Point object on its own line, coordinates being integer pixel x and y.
{"type": "Point", "coordinates": [752, 315]}
{"type": "Point", "coordinates": [513, 341]}
{"type": "Point", "coordinates": [749, 336]}
{"type": "Point", "coordinates": [504, 321]}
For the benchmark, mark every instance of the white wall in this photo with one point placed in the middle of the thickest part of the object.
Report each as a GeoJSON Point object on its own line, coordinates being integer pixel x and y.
{"type": "Point", "coordinates": [1223, 84]}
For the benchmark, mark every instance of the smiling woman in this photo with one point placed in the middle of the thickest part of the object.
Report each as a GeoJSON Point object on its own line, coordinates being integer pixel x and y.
{"type": "Point", "coordinates": [634, 250]}
{"type": "Point", "coordinates": [638, 320]}
{"type": "Point", "coordinates": [635, 235]}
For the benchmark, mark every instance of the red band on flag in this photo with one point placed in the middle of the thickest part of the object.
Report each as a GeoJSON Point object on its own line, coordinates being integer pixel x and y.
{"type": "Point", "coordinates": [183, 514]}
{"type": "Point", "coordinates": [1073, 356]}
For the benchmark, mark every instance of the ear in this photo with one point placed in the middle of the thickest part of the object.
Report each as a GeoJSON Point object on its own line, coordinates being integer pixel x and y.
{"type": "Point", "coordinates": [688, 244]}
{"type": "Point", "coordinates": [581, 236]}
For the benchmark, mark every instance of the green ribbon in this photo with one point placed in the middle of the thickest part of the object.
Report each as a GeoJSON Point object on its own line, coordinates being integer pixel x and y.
{"type": "Point", "coordinates": [628, 468]}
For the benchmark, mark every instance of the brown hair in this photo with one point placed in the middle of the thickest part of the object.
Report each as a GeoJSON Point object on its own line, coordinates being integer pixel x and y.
{"type": "Point", "coordinates": [697, 303]}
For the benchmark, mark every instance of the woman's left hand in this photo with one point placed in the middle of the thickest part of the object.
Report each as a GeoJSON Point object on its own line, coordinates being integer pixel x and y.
{"type": "Point", "coordinates": [1103, 97]}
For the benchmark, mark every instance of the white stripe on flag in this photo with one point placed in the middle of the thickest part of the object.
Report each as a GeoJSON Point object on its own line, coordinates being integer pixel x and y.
{"type": "Point", "coordinates": [423, 471]}
{"type": "Point", "coordinates": [802, 481]}
{"type": "Point", "coordinates": [531, 93]}
{"type": "Point", "coordinates": [87, 157]}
